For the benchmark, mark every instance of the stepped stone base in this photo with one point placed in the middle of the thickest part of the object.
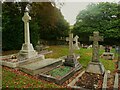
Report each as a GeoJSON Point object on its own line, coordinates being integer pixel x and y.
{"type": "Point", "coordinates": [71, 60]}
{"type": "Point", "coordinates": [27, 51]}
{"type": "Point", "coordinates": [95, 67]}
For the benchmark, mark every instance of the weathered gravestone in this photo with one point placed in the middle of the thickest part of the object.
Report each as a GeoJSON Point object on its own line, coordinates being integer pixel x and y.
{"type": "Point", "coordinates": [107, 54]}
{"type": "Point", "coordinates": [76, 45]}
{"type": "Point", "coordinates": [95, 66]}
{"type": "Point", "coordinates": [27, 50]}
{"type": "Point", "coordinates": [71, 59]}
{"type": "Point", "coordinates": [42, 49]}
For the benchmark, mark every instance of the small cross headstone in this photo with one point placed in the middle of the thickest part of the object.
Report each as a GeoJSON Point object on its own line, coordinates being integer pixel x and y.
{"type": "Point", "coordinates": [76, 45]}
{"type": "Point", "coordinates": [71, 59]}
{"type": "Point", "coordinates": [95, 38]}
{"type": "Point", "coordinates": [107, 49]}
{"type": "Point", "coordinates": [95, 66]}
{"type": "Point", "coordinates": [70, 39]}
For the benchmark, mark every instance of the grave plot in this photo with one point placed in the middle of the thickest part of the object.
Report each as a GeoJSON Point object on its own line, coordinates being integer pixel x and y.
{"type": "Point", "coordinates": [59, 74]}
{"type": "Point", "coordinates": [63, 72]}
{"type": "Point", "coordinates": [90, 81]}
{"type": "Point", "coordinates": [110, 82]}
{"type": "Point", "coordinates": [94, 74]}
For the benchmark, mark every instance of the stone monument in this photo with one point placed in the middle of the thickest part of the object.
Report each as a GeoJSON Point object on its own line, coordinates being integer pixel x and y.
{"type": "Point", "coordinates": [71, 59]}
{"type": "Point", "coordinates": [27, 50]}
{"type": "Point", "coordinates": [107, 54]}
{"type": "Point", "coordinates": [76, 45]}
{"type": "Point", "coordinates": [95, 66]}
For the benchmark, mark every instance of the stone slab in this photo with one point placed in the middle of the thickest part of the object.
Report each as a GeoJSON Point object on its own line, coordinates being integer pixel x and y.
{"type": "Point", "coordinates": [19, 63]}
{"type": "Point", "coordinates": [40, 66]}
{"type": "Point", "coordinates": [95, 67]}
{"type": "Point", "coordinates": [104, 85]}
{"type": "Point", "coordinates": [116, 82]}
{"type": "Point", "coordinates": [71, 84]}
{"type": "Point", "coordinates": [108, 56]}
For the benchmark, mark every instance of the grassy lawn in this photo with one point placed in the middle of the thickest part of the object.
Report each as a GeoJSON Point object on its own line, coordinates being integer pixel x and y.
{"type": "Point", "coordinates": [14, 78]}
{"type": "Point", "coordinates": [85, 56]}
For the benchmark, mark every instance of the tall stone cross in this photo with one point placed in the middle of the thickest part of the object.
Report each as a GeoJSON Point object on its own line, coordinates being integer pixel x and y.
{"type": "Point", "coordinates": [27, 50]}
{"type": "Point", "coordinates": [95, 38]}
{"type": "Point", "coordinates": [70, 39]}
{"type": "Point", "coordinates": [26, 19]}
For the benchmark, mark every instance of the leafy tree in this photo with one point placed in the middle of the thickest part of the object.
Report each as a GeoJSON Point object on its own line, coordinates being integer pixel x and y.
{"type": "Point", "coordinates": [47, 23]}
{"type": "Point", "coordinates": [51, 22]}
{"type": "Point", "coordinates": [102, 17]}
{"type": "Point", "coordinates": [12, 27]}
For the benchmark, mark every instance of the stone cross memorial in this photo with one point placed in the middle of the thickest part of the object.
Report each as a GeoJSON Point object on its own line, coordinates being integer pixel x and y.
{"type": "Point", "coordinates": [70, 39]}
{"type": "Point", "coordinates": [71, 59]}
{"type": "Point", "coordinates": [76, 46]}
{"type": "Point", "coordinates": [95, 66]}
{"type": "Point", "coordinates": [95, 38]}
{"type": "Point", "coordinates": [27, 48]}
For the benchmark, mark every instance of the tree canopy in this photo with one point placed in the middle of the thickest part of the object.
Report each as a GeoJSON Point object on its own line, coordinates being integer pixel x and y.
{"type": "Point", "coordinates": [103, 17]}
{"type": "Point", "coordinates": [47, 23]}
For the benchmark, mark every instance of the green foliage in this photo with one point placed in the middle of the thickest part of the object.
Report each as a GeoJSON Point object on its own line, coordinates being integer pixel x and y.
{"type": "Point", "coordinates": [47, 23]}
{"type": "Point", "coordinates": [102, 17]}
{"type": "Point", "coordinates": [11, 26]}
{"type": "Point", "coordinates": [51, 21]}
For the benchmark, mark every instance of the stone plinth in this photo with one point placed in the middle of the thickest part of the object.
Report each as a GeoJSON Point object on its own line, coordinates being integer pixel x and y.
{"type": "Point", "coordinates": [16, 63]}
{"type": "Point", "coordinates": [71, 60]}
{"type": "Point", "coordinates": [41, 66]}
{"type": "Point", "coordinates": [27, 51]}
{"type": "Point", "coordinates": [108, 56]}
{"type": "Point", "coordinates": [95, 67]}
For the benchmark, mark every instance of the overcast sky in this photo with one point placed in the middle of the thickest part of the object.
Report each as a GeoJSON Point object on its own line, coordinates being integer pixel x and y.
{"type": "Point", "coordinates": [71, 9]}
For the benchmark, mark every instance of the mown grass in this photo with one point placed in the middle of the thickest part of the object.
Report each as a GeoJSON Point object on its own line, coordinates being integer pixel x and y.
{"type": "Point", "coordinates": [85, 56]}
{"type": "Point", "coordinates": [16, 79]}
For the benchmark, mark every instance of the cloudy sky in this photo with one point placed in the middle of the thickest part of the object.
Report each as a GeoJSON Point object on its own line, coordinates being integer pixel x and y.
{"type": "Point", "coordinates": [71, 9]}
